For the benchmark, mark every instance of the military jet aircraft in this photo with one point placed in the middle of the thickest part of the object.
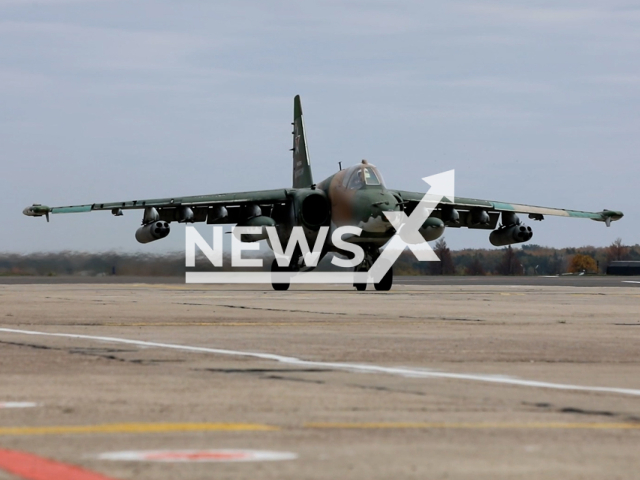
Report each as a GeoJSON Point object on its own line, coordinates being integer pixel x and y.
{"type": "Point", "coordinates": [355, 196]}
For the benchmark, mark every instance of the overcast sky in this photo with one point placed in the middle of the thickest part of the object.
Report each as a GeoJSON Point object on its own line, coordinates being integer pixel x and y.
{"type": "Point", "coordinates": [530, 102]}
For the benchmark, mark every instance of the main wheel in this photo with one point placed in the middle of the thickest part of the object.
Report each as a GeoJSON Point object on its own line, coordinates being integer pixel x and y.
{"type": "Point", "coordinates": [360, 286]}
{"type": "Point", "coordinates": [386, 282]}
{"type": "Point", "coordinates": [276, 268]}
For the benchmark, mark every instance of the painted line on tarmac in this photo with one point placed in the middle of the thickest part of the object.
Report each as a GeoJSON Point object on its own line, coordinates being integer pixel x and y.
{"type": "Point", "coordinates": [18, 405]}
{"type": "Point", "coordinates": [350, 367]}
{"type": "Point", "coordinates": [32, 467]}
{"type": "Point", "coordinates": [151, 428]}
{"type": "Point", "coordinates": [474, 425]}
{"type": "Point", "coordinates": [198, 456]}
{"type": "Point", "coordinates": [136, 428]}
{"type": "Point", "coordinates": [629, 281]}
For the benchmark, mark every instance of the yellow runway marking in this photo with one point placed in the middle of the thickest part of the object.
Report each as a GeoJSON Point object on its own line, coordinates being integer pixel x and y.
{"type": "Point", "coordinates": [480, 425]}
{"type": "Point", "coordinates": [148, 428]}
{"type": "Point", "coordinates": [136, 428]}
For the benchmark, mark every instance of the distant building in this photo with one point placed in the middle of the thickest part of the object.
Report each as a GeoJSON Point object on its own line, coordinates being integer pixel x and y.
{"type": "Point", "coordinates": [623, 268]}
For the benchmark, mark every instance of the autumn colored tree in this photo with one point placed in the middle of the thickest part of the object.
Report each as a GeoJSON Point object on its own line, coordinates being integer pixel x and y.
{"type": "Point", "coordinates": [583, 263]}
{"type": "Point", "coordinates": [445, 265]}
{"type": "Point", "coordinates": [616, 251]}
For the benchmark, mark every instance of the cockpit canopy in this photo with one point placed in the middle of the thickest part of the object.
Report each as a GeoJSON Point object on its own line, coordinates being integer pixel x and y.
{"type": "Point", "coordinates": [360, 176]}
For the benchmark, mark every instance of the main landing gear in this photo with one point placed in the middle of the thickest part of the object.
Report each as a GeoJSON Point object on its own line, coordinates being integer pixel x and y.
{"type": "Point", "coordinates": [387, 281]}
{"type": "Point", "coordinates": [384, 285]}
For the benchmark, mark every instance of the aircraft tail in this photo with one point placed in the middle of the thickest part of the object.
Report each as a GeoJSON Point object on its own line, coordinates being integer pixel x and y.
{"type": "Point", "coordinates": [302, 177]}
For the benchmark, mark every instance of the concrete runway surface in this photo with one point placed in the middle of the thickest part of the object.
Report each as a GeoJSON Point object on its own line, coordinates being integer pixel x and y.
{"type": "Point", "coordinates": [426, 381]}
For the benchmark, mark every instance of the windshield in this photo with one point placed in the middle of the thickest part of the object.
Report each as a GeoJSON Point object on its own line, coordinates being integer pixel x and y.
{"type": "Point", "coordinates": [370, 177]}
{"type": "Point", "coordinates": [363, 176]}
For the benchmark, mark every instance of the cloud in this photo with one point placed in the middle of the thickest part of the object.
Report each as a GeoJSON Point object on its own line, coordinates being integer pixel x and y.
{"type": "Point", "coordinates": [28, 3]}
{"type": "Point", "coordinates": [532, 14]}
{"type": "Point", "coordinates": [98, 48]}
{"type": "Point", "coordinates": [617, 79]}
{"type": "Point", "coordinates": [13, 80]}
{"type": "Point", "coordinates": [502, 84]}
{"type": "Point", "coordinates": [333, 17]}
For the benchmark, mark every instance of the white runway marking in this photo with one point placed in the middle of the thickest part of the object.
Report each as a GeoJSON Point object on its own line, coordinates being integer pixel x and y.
{"type": "Point", "coordinates": [629, 281]}
{"type": "Point", "coordinates": [198, 456]}
{"type": "Point", "coordinates": [351, 367]}
{"type": "Point", "coordinates": [17, 404]}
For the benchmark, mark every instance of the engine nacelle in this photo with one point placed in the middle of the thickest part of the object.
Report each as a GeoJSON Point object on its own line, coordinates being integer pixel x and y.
{"type": "Point", "coordinates": [312, 209]}
{"type": "Point", "coordinates": [261, 221]}
{"type": "Point", "coordinates": [152, 232]}
{"type": "Point", "coordinates": [432, 229]}
{"type": "Point", "coordinates": [510, 235]}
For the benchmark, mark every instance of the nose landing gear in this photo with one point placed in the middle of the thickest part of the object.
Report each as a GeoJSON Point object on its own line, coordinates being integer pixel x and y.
{"type": "Point", "coordinates": [276, 268]}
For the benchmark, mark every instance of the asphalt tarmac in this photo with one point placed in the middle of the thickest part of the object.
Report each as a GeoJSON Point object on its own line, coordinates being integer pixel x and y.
{"type": "Point", "coordinates": [448, 380]}
{"type": "Point", "coordinates": [538, 281]}
{"type": "Point", "coordinates": [555, 280]}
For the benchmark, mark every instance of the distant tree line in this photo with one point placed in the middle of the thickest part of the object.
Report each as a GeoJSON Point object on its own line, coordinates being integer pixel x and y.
{"type": "Point", "coordinates": [526, 260]}
{"type": "Point", "coordinates": [92, 264]}
{"type": "Point", "coordinates": [529, 259]}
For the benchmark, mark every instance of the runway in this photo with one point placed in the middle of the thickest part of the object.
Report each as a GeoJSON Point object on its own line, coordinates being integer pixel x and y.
{"type": "Point", "coordinates": [541, 281]}
{"type": "Point", "coordinates": [528, 280]}
{"type": "Point", "coordinates": [426, 381]}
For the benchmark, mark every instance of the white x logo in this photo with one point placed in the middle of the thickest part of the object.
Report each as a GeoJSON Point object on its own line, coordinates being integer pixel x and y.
{"type": "Point", "coordinates": [407, 227]}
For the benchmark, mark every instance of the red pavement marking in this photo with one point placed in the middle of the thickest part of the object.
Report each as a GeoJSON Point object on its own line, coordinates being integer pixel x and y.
{"type": "Point", "coordinates": [32, 467]}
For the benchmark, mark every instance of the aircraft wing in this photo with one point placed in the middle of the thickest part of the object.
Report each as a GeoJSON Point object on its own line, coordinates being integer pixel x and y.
{"type": "Point", "coordinates": [203, 207]}
{"type": "Point", "coordinates": [469, 210]}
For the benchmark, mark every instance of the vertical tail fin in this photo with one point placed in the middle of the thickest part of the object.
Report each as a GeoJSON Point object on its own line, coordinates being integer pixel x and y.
{"type": "Point", "coordinates": [302, 177]}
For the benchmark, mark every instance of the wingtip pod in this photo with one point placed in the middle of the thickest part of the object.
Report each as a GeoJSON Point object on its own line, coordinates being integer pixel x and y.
{"type": "Point", "coordinates": [37, 210]}
{"type": "Point", "coordinates": [609, 216]}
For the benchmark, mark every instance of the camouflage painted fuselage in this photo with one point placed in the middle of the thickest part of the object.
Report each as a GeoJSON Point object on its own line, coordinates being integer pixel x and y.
{"type": "Point", "coordinates": [360, 204]}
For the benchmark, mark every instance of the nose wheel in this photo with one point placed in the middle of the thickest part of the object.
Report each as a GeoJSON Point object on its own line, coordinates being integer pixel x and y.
{"type": "Point", "coordinates": [276, 268]}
